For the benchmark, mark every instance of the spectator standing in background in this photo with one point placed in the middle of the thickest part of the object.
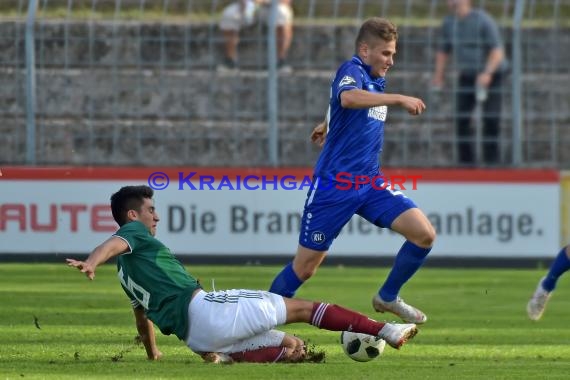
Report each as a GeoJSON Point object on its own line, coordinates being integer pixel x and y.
{"type": "Point", "coordinates": [244, 13]}
{"type": "Point", "coordinates": [471, 37]}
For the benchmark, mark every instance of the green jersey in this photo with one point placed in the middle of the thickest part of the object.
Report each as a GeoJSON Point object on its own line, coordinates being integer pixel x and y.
{"type": "Point", "coordinates": [154, 279]}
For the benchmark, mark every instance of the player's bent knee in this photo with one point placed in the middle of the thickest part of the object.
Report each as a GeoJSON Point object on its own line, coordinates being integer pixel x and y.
{"type": "Point", "coordinates": [429, 238]}
{"type": "Point", "coordinates": [424, 238]}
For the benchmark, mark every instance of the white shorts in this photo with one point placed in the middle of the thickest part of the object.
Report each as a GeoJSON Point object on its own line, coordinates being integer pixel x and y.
{"type": "Point", "coordinates": [233, 19]}
{"type": "Point", "coordinates": [235, 320]}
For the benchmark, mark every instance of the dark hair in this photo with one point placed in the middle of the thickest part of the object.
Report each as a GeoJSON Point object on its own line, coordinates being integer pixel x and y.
{"type": "Point", "coordinates": [374, 28]}
{"type": "Point", "coordinates": [128, 198]}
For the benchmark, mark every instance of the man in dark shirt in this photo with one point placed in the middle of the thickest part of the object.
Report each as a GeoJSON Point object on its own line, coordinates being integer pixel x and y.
{"type": "Point", "coordinates": [472, 39]}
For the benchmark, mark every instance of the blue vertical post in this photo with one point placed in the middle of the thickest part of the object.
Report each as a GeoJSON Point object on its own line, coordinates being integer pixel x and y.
{"type": "Point", "coordinates": [30, 84]}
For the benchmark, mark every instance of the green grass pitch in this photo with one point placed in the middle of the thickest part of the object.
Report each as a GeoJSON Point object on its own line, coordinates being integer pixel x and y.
{"type": "Point", "coordinates": [55, 324]}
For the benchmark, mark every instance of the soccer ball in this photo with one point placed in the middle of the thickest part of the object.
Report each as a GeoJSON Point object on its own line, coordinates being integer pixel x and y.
{"type": "Point", "coordinates": [361, 347]}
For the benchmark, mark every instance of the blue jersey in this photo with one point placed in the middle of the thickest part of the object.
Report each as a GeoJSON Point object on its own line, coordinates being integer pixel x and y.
{"type": "Point", "coordinates": [355, 136]}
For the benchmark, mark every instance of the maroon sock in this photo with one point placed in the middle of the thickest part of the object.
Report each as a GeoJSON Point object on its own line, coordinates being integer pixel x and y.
{"type": "Point", "coordinates": [337, 318]}
{"type": "Point", "coordinates": [261, 355]}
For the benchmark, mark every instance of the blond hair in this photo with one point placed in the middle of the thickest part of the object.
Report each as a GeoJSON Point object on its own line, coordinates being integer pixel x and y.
{"type": "Point", "coordinates": [376, 28]}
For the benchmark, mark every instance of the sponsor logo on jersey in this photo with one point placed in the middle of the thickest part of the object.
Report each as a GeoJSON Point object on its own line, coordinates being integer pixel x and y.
{"type": "Point", "coordinates": [347, 81]}
{"type": "Point", "coordinates": [378, 113]}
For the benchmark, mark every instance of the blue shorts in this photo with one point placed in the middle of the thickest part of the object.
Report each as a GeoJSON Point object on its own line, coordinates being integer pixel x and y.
{"type": "Point", "coordinates": [328, 209]}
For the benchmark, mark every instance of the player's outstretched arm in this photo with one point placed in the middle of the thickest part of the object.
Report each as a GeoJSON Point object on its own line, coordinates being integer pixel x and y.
{"type": "Point", "coordinates": [358, 99]}
{"type": "Point", "coordinates": [112, 247]}
{"type": "Point", "coordinates": [145, 329]}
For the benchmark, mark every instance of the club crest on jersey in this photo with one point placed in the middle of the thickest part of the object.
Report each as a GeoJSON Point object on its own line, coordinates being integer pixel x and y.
{"type": "Point", "coordinates": [347, 80]}
{"type": "Point", "coordinates": [318, 237]}
{"type": "Point", "coordinates": [378, 113]}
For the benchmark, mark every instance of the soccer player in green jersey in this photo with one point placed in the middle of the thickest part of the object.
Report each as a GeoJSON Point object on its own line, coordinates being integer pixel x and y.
{"type": "Point", "coordinates": [221, 326]}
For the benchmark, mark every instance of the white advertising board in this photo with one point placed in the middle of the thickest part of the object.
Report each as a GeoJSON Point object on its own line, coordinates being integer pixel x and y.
{"type": "Point", "coordinates": [473, 218]}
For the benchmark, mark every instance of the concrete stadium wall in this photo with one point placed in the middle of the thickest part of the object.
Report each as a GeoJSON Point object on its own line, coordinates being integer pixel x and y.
{"type": "Point", "coordinates": [113, 83]}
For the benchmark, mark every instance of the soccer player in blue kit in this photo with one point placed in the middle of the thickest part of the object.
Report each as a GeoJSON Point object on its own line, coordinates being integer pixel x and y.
{"type": "Point", "coordinates": [356, 115]}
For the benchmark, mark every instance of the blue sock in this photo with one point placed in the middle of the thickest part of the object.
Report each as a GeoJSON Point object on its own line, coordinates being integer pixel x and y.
{"type": "Point", "coordinates": [286, 282]}
{"type": "Point", "coordinates": [560, 265]}
{"type": "Point", "coordinates": [408, 260]}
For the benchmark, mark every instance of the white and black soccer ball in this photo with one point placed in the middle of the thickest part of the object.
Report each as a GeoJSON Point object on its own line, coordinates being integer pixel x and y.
{"type": "Point", "coordinates": [361, 347]}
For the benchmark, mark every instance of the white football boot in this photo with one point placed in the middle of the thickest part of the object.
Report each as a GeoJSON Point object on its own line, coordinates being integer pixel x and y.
{"type": "Point", "coordinates": [408, 313]}
{"type": "Point", "coordinates": [537, 302]}
{"type": "Point", "coordinates": [396, 334]}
